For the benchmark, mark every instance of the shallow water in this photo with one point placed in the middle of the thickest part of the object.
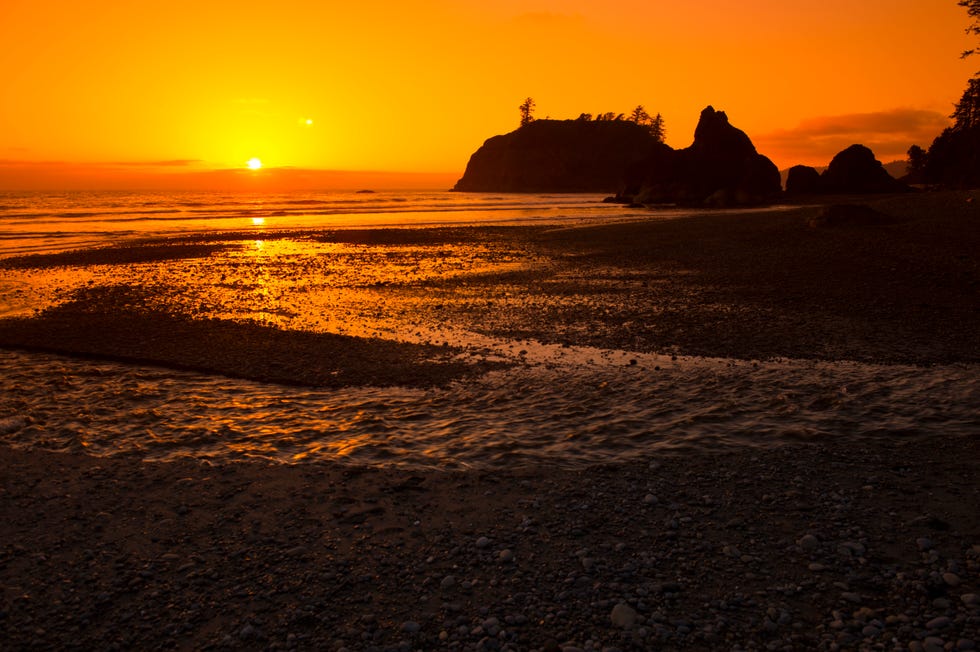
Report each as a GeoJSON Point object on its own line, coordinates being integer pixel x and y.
{"type": "Point", "coordinates": [564, 406]}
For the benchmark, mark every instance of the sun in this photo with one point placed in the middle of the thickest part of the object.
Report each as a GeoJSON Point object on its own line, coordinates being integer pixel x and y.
{"type": "Point", "coordinates": [254, 164]}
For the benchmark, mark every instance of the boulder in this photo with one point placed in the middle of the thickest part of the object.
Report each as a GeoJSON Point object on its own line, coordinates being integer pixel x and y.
{"type": "Point", "coordinates": [856, 170]}
{"type": "Point", "coordinates": [803, 180]}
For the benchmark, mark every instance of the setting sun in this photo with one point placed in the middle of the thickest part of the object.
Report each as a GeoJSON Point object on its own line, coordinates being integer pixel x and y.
{"type": "Point", "coordinates": [254, 164]}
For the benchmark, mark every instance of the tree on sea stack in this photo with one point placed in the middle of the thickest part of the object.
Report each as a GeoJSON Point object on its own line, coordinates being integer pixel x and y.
{"type": "Point", "coordinates": [657, 128]}
{"type": "Point", "coordinates": [527, 108]}
{"type": "Point", "coordinates": [640, 116]}
{"type": "Point", "coordinates": [655, 125]}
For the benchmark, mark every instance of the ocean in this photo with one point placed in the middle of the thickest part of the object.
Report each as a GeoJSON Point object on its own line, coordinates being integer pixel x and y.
{"type": "Point", "coordinates": [49, 222]}
{"type": "Point", "coordinates": [553, 403]}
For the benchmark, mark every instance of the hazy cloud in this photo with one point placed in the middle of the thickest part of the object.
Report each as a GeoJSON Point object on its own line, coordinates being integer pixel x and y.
{"type": "Point", "coordinates": [174, 163]}
{"type": "Point", "coordinates": [888, 133]}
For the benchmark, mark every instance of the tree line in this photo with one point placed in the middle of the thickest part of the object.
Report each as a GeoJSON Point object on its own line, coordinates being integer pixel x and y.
{"type": "Point", "coordinates": [953, 159]}
{"type": "Point", "coordinates": [653, 124]}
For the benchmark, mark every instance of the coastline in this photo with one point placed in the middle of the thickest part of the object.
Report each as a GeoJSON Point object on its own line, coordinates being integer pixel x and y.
{"type": "Point", "coordinates": [797, 546]}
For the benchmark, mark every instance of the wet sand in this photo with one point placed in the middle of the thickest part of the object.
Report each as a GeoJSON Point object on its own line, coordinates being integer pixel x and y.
{"type": "Point", "coordinates": [747, 286]}
{"type": "Point", "coordinates": [807, 546]}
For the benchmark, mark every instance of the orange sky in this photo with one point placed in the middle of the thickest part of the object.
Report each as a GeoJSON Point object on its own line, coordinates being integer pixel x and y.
{"type": "Point", "coordinates": [115, 93]}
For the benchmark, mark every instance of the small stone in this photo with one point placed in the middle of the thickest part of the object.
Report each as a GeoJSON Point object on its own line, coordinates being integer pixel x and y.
{"type": "Point", "coordinates": [482, 542]}
{"type": "Point", "coordinates": [933, 644]}
{"type": "Point", "coordinates": [808, 542]}
{"type": "Point", "coordinates": [966, 644]}
{"type": "Point", "coordinates": [870, 631]}
{"type": "Point", "coordinates": [410, 627]}
{"type": "Point", "coordinates": [925, 543]}
{"type": "Point", "coordinates": [940, 622]}
{"type": "Point", "coordinates": [248, 632]}
{"type": "Point", "coordinates": [448, 582]}
{"type": "Point", "coordinates": [851, 597]}
{"type": "Point", "coordinates": [816, 568]}
{"type": "Point", "coordinates": [623, 616]}
{"type": "Point", "coordinates": [951, 579]}
{"type": "Point", "coordinates": [506, 556]}
{"type": "Point", "coordinates": [650, 499]}
{"type": "Point", "coordinates": [970, 599]}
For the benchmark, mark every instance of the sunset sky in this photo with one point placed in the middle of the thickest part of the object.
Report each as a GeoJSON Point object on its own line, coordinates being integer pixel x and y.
{"type": "Point", "coordinates": [109, 93]}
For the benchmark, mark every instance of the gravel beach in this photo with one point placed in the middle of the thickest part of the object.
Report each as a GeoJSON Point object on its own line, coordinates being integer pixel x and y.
{"type": "Point", "coordinates": [790, 549]}
{"type": "Point", "coordinates": [804, 545]}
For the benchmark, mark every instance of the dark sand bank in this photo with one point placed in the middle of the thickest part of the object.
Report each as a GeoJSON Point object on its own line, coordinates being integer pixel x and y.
{"type": "Point", "coordinates": [113, 323]}
{"type": "Point", "coordinates": [797, 548]}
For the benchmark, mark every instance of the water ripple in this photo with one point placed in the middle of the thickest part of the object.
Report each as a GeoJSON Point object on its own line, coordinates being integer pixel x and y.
{"type": "Point", "coordinates": [569, 413]}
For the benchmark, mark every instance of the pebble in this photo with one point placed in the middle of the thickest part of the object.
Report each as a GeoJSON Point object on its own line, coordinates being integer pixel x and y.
{"type": "Point", "coordinates": [482, 542]}
{"type": "Point", "coordinates": [506, 555]}
{"type": "Point", "coordinates": [951, 579]}
{"type": "Point", "coordinates": [248, 632]}
{"type": "Point", "coordinates": [933, 644]}
{"type": "Point", "coordinates": [970, 599]}
{"type": "Point", "coordinates": [940, 622]}
{"type": "Point", "coordinates": [808, 542]}
{"type": "Point", "coordinates": [851, 548]}
{"type": "Point", "coordinates": [623, 616]}
{"type": "Point", "coordinates": [448, 582]}
{"type": "Point", "coordinates": [870, 631]}
{"type": "Point", "coordinates": [410, 627]}
{"type": "Point", "coordinates": [650, 499]}
{"type": "Point", "coordinates": [925, 543]}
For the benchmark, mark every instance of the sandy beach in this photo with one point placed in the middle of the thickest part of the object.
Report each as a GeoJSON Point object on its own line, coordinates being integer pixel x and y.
{"type": "Point", "coordinates": [868, 544]}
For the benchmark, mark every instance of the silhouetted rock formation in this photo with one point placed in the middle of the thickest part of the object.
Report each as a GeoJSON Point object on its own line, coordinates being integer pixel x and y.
{"type": "Point", "coordinates": [721, 168]}
{"type": "Point", "coordinates": [559, 156]}
{"type": "Point", "coordinates": [803, 180]}
{"type": "Point", "coordinates": [856, 170]}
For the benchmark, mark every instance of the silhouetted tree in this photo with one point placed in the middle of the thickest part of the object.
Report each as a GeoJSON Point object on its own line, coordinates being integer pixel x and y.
{"type": "Point", "coordinates": [640, 116]}
{"type": "Point", "coordinates": [967, 112]}
{"type": "Point", "coordinates": [585, 117]}
{"type": "Point", "coordinates": [973, 9]}
{"type": "Point", "coordinates": [657, 128]}
{"type": "Point", "coordinates": [954, 157]}
{"type": "Point", "coordinates": [527, 109]}
{"type": "Point", "coordinates": [916, 164]}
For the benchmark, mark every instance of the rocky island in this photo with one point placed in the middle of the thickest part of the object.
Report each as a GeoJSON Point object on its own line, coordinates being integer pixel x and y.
{"type": "Point", "coordinates": [560, 156]}
{"type": "Point", "coordinates": [720, 168]}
